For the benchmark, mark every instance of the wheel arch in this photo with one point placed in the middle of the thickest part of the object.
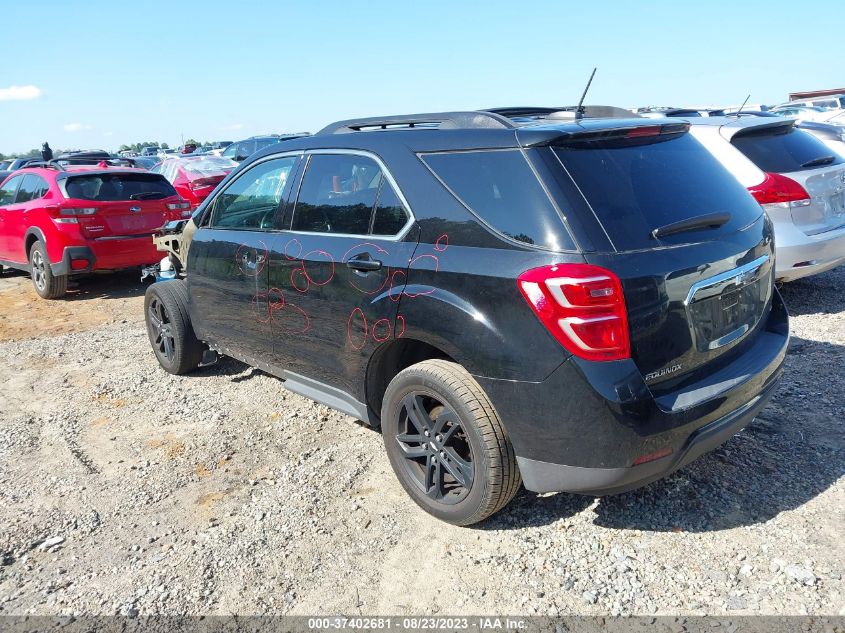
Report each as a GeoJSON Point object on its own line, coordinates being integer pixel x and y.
{"type": "Point", "coordinates": [33, 234]}
{"type": "Point", "coordinates": [391, 358]}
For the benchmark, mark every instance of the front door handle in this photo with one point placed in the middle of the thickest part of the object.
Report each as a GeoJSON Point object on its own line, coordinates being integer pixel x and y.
{"type": "Point", "coordinates": [364, 263]}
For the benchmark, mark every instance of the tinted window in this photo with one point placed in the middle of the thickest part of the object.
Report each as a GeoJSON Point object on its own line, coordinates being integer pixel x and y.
{"type": "Point", "coordinates": [337, 194]}
{"type": "Point", "coordinates": [637, 185]}
{"type": "Point", "coordinates": [502, 190]}
{"type": "Point", "coordinates": [114, 187]}
{"type": "Point", "coordinates": [245, 148]}
{"type": "Point", "coordinates": [265, 142]}
{"type": "Point", "coordinates": [784, 149]}
{"type": "Point", "coordinates": [7, 191]}
{"type": "Point", "coordinates": [390, 215]}
{"type": "Point", "coordinates": [32, 188]}
{"type": "Point", "coordinates": [252, 200]}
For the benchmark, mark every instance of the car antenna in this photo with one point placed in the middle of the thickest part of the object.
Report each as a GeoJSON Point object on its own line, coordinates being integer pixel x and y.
{"type": "Point", "coordinates": [743, 105]}
{"type": "Point", "coordinates": [579, 111]}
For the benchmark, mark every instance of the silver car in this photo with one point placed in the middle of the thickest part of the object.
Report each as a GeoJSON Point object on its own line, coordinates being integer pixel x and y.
{"type": "Point", "coordinates": [797, 179]}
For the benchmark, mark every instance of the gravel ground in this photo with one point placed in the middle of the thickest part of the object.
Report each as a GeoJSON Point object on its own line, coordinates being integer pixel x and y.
{"type": "Point", "coordinates": [124, 490]}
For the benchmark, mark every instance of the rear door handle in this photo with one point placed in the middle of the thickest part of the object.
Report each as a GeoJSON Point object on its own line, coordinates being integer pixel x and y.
{"type": "Point", "coordinates": [364, 263]}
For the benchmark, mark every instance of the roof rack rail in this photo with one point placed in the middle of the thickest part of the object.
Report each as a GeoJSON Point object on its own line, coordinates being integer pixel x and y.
{"type": "Point", "coordinates": [480, 119]}
{"type": "Point", "coordinates": [563, 112]}
{"type": "Point", "coordinates": [42, 164]}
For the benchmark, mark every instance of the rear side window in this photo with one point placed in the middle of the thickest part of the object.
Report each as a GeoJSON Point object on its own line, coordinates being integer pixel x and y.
{"type": "Point", "coordinates": [32, 188]}
{"type": "Point", "coordinates": [339, 194]}
{"type": "Point", "coordinates": [501, 189]}
{"type": "Point", "coordinates": [784, 149]}
{"type": "Point", "coordinates": [637, 185]}
{"type": "Point", "coordinates": [118, 187]}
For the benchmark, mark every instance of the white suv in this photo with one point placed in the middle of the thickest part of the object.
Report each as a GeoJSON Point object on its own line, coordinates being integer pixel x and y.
{"type": "Point", "coordinates": [798, 180]}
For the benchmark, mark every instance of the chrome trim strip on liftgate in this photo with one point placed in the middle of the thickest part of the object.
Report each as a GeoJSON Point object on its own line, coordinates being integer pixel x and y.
{"type": "Point", "coordinates": [739, 277]}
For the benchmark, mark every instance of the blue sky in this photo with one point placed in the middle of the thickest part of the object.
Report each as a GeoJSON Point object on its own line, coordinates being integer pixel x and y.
{"type": "Point", "coordinates": [98, 74]}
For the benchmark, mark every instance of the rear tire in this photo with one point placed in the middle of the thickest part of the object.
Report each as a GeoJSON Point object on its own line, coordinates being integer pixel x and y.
{"type": "Point", "coordinates": [169, 327]}
{"type": "Point", "coordinates": [446, 443]}
{"type": "Point", "coordinates": [46, 284]}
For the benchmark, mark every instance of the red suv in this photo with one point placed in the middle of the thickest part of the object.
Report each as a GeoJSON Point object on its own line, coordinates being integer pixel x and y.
{"type": "Point", "coordinates": [58, 222]}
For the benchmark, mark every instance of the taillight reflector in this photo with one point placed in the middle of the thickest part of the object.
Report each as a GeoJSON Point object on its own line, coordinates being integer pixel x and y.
{"type": "Point", "coordinates": [79, 264]}
{"type": "Point", "coordinates": [582, 306]}
{"type": "Point", "coordinates": [179, 206]}
{"type": "Point", "coordinates": [778, 188]}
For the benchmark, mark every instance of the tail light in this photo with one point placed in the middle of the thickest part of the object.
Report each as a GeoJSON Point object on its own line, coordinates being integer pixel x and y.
{"type": "Point", "coordinates": [69, 215]}
{"type": "Point", "coordinates": [582, 306]}
{"type": "Point", "coordinates": [183, 205]}
{"type": "Point", "coordinates": [778, 188]}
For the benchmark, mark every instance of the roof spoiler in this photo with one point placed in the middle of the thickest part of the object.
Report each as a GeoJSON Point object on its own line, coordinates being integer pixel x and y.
{"type": "Point", "coordinates": [564, 113]}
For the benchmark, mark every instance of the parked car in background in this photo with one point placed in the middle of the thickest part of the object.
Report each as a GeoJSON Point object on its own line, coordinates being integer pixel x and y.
{"type": "Point", "coordinates": [831, 135]}
{"type": "Point", "coordinates": [803, 112]}
{"type": "Point", "coordinates": [383, 271]}
{"type": "Point", "coordinates": [20, 163]}
{"type": "Point", "coordinates": [797, 179]}
{"type": "Point", "coordinates": [85, 157]}
{"type": "Point", "coordinates": [145, 162]}
{"type": "Point", "coordinates": [56, 222]}
{"type": "Point", "coordinates": [242, 149]}
{"type": "Point", "coordinates": [828, 102]}
{"type": "Point", "coordinates": [150, 150]}
{"type": "Point", "coordinates": [194, 177]}
{"type": "Point", "coordinates": [658, 112]}
{"type": "Point", "coordinates": [5, 164]}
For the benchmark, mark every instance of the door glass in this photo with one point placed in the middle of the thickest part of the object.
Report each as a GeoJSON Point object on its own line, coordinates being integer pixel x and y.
{"type": "Point", "coordinates": [32, 188]}
{"type": "Point", "coordinates": [229, 152]}
{"type": "Point", "coordinates": [391, 216]}
{"type": "Point", "coordinates": [251, 201]}
{"type": "Point", "coordinates": [7, 191]}
{"type": "Point", "coordinates": [337, 194]}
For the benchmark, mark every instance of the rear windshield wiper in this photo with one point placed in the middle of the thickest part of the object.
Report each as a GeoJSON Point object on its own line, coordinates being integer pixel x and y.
{"type": "Point", "coordinates": [147, 195]}
{"type": "Point", "coordinates": [707, 221]}
{"type": "Point", "coordinates": [818, 162]}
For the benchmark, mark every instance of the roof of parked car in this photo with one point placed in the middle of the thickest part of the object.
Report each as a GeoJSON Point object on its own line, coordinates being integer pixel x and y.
{"type": "Point", "coordinates": [730, 125]}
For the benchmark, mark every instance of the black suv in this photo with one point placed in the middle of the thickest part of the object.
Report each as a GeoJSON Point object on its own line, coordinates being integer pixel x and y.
{"type": "Point", "coordinates": [512, 295]}
{"type": "Point", "coordinates": [241, 150]}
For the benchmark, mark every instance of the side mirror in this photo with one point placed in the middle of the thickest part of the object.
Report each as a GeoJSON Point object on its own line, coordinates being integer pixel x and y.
{"type": "Point", "coordinates": [239, 158]}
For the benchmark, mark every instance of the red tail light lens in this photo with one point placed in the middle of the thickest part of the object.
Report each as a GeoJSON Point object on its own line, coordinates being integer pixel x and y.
{"type": "Point", "coordinates": [582, 306]}
{"type": "Point", "coordinates": [777, 188]}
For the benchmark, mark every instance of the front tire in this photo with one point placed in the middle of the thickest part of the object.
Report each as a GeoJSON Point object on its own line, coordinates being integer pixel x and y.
{"type": "Point", "coordinates": [169, 327]}
{"type": "Point", "coordinates": [46, 284]}
{"type": "Point", "coordinates": [446, 443]}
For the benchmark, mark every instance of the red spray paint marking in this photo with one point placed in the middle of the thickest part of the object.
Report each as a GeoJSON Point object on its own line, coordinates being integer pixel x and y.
{"type": "Point", "coordinates": [347, 256]}
{"type": "Point", "coordinates": [280, 318]}
{"type": "Point", "coordinates": [288, 249]}
{"type": "Point", "coordinates": [261, 307]}
{"type": "Point", "coordinates": [302, 271]}
{"type": "Point", "coordinates": [242, 256]}
{"type": "Point", "coordinates": [363, 341]}
{"type": "Point", "coordinates": [436, 261]}
{"type": "Point", "coordinates": [384, 325]}
{"type": "Point", "coordinates": [393, 284]}
{"type": "Point", "coordinates": [400, 326]}
{"type": "Point", "coordinates": [442, 243]}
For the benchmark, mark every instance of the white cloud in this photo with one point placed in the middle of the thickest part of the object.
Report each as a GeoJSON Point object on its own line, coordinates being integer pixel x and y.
{"type": "Point", "coordinates": [231, 127]}
{"type": "Point", "coordinates": [20, 93]}
{"type": "Point", "coordinates": [76, 127]}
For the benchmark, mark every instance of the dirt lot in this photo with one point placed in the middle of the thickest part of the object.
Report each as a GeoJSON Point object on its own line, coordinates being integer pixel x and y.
{"type": "Point", "coordinates": [126, 490]}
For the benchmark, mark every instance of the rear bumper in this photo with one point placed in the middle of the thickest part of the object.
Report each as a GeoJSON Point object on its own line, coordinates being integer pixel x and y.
{"type": "Point", "coordinates": [585, 426]}
{"type": "Point", "coordinates": [108, 254]}
{"type": "Point", "coordinates": [814, 253]}
{"type": "Point", "coordinates": [547, 477]}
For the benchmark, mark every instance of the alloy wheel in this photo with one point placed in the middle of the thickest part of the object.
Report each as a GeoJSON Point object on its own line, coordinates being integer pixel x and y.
{"type": "Point", "coordinates": [158, 321]}
{"type": "Point", "coordinates": [39, 272]}
{"type": "Point", "coordinates": [437, 453]}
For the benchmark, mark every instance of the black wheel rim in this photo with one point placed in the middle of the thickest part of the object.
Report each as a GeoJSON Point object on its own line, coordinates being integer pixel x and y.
{"type": "Point", "coordinates": [435, 449]}
{"type": "Point", "coordinates": [161, 330]}
{"type": "Point", "coordinates": [39, 270]}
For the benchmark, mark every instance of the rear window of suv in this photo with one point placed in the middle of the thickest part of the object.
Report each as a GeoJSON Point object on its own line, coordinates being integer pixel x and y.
{"type": "Point", "coordinates": [118, 187]}
{"type": "Point", "coordinates": [784, 149]}
{"type": "Point", "coordinates": [637, 185]}
{"type": "Point", "coordinates": [501, 189]}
